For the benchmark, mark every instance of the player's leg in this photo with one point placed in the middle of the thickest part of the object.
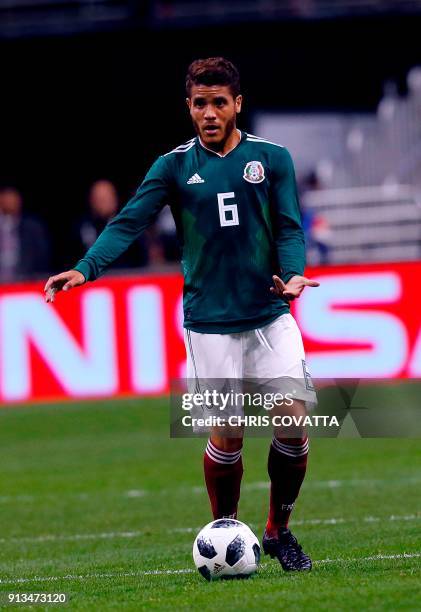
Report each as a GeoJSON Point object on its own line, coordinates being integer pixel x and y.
{"type": "Point", "coordinates": [214, 360]}
{"type": "Point", "coordinates": [223, 468]}
{"type": "Point", "coordinates": [287, 464]}
{"type": "Point", "coordinates": [277, 353]}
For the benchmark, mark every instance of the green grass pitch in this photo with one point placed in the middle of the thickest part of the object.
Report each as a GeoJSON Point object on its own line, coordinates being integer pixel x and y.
{"type": "Point", "coordinates": [97, 502]}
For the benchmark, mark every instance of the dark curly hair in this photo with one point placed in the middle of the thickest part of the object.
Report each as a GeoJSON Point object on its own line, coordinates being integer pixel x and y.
{"type": "Point", "coordinates": [213, 71]}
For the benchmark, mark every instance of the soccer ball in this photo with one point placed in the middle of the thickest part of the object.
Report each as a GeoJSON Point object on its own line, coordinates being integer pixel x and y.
{"type": "Point", "coordinates": [226, 548]}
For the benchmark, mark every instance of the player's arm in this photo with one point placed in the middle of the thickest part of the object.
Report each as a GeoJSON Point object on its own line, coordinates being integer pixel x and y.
{"type": "Point", "coordinates": [288, 231]}
{"type": "Point", "coordinates": [138, 214]}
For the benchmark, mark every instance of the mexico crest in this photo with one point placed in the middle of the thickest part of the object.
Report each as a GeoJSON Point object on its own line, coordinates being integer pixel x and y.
{"type": "Point", "coordinates": [254, 172]}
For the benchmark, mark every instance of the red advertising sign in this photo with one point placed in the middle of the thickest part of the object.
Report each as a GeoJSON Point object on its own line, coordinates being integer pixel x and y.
{"type": "Point", "coordinates": [123, 335]}
{"type": "Point", "coordinates": [363, 321]}
{"type": "Point", "coordinates": [117, 336]}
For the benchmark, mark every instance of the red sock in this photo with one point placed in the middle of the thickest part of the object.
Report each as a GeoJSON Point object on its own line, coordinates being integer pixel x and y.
{"type": "Point", "coordinates": [223, 472]}
{"type": "Point", "coordinates": [286, 467]}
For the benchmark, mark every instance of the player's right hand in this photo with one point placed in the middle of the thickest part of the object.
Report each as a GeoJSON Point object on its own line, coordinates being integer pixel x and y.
{"type": "Point", "coordinates": [64, 281]}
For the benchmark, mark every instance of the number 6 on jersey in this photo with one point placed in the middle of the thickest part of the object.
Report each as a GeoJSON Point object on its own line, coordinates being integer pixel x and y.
{"type": "Point", "coordinates": [231, 209]}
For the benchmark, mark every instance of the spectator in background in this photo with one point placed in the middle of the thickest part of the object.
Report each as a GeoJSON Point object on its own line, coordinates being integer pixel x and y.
{"type": "Point", "coordinates": [24, 242]}
{"type": "Point", "coordinates": [316, 227]}
{"type": "Point", "coordinates": [103, 205]}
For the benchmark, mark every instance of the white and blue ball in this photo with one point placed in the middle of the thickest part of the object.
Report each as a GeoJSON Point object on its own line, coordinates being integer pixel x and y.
{"type": "Point", "coordinates": [226, 548]}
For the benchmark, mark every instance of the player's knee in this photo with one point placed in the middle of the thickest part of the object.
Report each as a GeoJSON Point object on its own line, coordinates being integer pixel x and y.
{"type": "Point", "coordinates": [227, 445]}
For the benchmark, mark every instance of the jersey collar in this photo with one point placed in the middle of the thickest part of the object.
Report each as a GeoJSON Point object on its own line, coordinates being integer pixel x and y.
{"type": "Point", "coordinates": [228, 152]}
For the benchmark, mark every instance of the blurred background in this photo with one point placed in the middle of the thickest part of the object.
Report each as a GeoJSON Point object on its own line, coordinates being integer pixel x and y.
{"type": "Point", "coordinates": [92, 91]}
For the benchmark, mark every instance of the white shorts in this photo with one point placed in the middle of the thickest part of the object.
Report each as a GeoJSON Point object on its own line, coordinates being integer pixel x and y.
{"type": "Point", "coordinates": [273, 354]}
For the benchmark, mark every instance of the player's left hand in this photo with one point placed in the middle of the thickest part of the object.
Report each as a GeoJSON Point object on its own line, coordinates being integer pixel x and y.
{"type": "Point", "coordinates": [293, 288]}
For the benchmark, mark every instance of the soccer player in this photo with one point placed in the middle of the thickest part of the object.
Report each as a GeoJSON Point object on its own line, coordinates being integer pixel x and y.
{"type": "Point", "coordinates": [234, 201]}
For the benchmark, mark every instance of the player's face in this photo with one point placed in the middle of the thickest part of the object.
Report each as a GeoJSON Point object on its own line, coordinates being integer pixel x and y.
{"type": "Point", "coordinates": [213, 110]}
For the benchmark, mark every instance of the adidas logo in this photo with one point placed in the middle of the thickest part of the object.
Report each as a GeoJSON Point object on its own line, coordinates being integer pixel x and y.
{"type": "Point", "coordinates": [195, 179]}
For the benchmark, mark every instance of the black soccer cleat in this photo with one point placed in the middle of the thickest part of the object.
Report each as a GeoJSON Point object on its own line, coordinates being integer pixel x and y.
{"type": "Point", "coordinates": [287, 550]}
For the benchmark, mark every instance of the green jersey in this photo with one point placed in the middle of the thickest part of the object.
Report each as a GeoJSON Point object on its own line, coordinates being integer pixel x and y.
{"type": "Point", "coordinates": [238, 223]}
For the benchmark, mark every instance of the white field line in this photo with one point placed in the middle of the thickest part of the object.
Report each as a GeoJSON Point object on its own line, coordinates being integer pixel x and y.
{"type": "Point", "coordinates": [248, 486]}
{"type": "Point", "coordinates": [312, 484]}
{"type": "Point", "coordinates": [336, 484]}
{"type": "Point", "coordinates": [93, 576]}
{"type": "Point", "coordinates": [110, 535]}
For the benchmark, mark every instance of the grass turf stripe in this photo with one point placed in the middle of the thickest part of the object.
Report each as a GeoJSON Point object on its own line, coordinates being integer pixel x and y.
{"type": "Point", "coordinates": [157, 572]}
{"type": "Point", "coordinates": [109, 535]}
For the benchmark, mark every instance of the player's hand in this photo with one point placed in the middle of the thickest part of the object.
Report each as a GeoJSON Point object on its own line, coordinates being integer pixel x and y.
{"type": "Point", "coordinates": [293, 288]}
{"type": "Point", "coordinates": [64, 281]}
